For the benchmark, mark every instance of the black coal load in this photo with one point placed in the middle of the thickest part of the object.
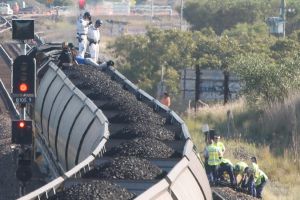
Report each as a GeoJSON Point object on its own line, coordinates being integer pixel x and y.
{"type": "Point", "coordinates": [132, 168]}
{"type": "Point", "coordinates": [134, 110]}
{"type": "Point", "coordinates": [96, 190]}
{"type": "Point", "coordinates": [144, 130]}
{"type": "Point", "coordinates": [143, 148]}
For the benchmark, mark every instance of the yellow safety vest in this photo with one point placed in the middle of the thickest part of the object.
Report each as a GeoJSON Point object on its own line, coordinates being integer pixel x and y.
{"type": "Point", "coordinates": [221, 146]}
{"type": "Point", "coordinates": [242, 166]}
{"type": "Point", "coordinates": [213, 155]}
{"type": "Point", "coordinates": [255, 170]}
{"type": "Point", "coordinates": [224, 160]}
{"type": "Point", "coordinates": [261, 175]}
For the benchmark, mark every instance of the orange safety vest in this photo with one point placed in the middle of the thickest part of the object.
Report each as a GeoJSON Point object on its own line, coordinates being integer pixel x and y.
{"type": "Point", "coordinates": [166, 101]}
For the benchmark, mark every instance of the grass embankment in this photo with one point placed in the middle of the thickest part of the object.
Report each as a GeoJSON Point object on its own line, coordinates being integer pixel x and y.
{"type": "Point", "coordinates": [282, 170]}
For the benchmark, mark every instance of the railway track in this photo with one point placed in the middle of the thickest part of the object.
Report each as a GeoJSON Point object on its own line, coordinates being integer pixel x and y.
{"type": "Point", "coordinates": [6, 61]}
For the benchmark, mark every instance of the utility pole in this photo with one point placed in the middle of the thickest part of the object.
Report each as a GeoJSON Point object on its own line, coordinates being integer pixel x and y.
{"type": "Point", "coordinates": [283, 14]}
{"type": "Point", "coordinates": [152, 13]}
{"type": "Point", "coordinates": [181, 14]}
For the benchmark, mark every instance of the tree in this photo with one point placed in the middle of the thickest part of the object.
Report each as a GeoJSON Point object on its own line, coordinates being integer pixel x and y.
{"type": "Point", "coordinates": [143, 56]}
{"type": "Point", "coordinates": [264, 78]}
{"type": "Point", "coordinates": [216, 52]}
{"type": "Point", "coordinates": [225, 14]}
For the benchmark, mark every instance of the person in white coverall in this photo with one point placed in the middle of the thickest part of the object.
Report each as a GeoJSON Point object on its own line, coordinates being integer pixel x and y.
{"type": "Point", "coordinates": [94, 40]}
{"type": "Point", "coordinates": [83, 24]}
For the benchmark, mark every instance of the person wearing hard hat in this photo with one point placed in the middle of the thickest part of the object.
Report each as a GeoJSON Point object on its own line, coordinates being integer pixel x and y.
{"type": "Point", "coordinates": [212, 154]}
{"type": "Point", "coordinates": [82, 30]}
{"type": "Point", "coordinates": [94, 40]}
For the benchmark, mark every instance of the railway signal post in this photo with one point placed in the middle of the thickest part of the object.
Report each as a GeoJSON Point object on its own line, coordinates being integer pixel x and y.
{"type": "Point", "coordinates": [23, 94]}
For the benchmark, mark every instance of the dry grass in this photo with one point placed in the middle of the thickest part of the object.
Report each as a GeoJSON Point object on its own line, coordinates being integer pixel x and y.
{"type": "Point", "coordinates": [282, 170]}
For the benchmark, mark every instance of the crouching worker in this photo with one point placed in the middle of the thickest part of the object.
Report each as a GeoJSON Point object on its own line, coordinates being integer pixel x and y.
{"type": "Point", "coordinates": [65, 58]}
{"type": "Point", "coordinates": [227, 166]}
{"type": "Point", "coordinates": [212, 154]}
{"type": "Point", "coordinates": [239, 170]}
{"type": "Point", "coordinates": [257, 179]}
{"type": "Point", "coordinates": [251, 181]}
{"type": "Point", "coordinates": [260, 183]}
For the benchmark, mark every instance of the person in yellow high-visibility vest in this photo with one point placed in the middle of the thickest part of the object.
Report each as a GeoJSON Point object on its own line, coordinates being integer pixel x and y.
{"type": "Point", "coordinates": [227, 166]}
{"type": "Point", "coordinates": [260, 183]}
{"type": "Point", "coordinates": [212, 154]}
{"type": "Point", "coordinates": [239, 169]}
{"type": "Point", "coordinates": [219, 144]}
{"type": "Point", "coordinates": [257, 179]}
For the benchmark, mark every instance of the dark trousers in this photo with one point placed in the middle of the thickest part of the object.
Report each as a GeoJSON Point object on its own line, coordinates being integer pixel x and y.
{"type": "Point", "coordinates": [260, 188]}
{"type": "Point", "coordinates": [212, 173]}
{"type": "Point", "coordinates": [225, 167]}
{"type": "Point", "coordinates": [251, 186]}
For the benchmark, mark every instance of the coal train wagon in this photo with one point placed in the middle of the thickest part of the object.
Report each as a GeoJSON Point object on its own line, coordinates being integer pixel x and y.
{"type": "Point", "coordinates": [105, 138]}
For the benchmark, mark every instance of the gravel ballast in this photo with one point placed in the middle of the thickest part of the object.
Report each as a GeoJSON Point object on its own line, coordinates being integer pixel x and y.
{"type": "Point", "coordinates": [9, 185]}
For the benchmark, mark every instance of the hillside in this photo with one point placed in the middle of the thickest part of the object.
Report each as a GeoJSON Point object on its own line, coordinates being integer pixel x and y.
{"type": "Point", "coordinates": [281, 167]}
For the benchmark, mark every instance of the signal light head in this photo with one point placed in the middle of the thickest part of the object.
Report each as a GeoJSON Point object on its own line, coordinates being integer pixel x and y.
{"type": "Point", "coordinates": [81, 4]}
{"type": "Point", "coordinates": [21, 124]}
{"type": "Point", "coordinates": [23, 87]}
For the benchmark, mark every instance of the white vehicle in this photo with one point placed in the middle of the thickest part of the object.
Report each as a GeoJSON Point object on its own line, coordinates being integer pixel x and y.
{"type": "Point", "coordinates": [5, 9]}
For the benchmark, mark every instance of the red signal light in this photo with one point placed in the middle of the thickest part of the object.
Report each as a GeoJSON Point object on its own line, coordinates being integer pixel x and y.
{"type": "Point", "coordinates": [81, 4]}
{"type": "Point", "coordinates": [23, 87]}
{"type": "Point", "coordinates": [21, 124]}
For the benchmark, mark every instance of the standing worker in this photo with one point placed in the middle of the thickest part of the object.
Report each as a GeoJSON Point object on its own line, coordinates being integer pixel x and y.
{"type": "Point", "coordinates": [219, 144]}
{"type": "Point", "coordinates": [94, 40]}
{"type": "Point", "coordinates": [82, 30]}
{"type": "Point", "coordinates": [166, 100]}
{"type": "Point", "coordinates": [212, 154]}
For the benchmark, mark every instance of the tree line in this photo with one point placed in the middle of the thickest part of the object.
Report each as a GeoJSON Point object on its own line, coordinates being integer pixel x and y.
{"type": "Point", "coordinates": [268, 66]}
